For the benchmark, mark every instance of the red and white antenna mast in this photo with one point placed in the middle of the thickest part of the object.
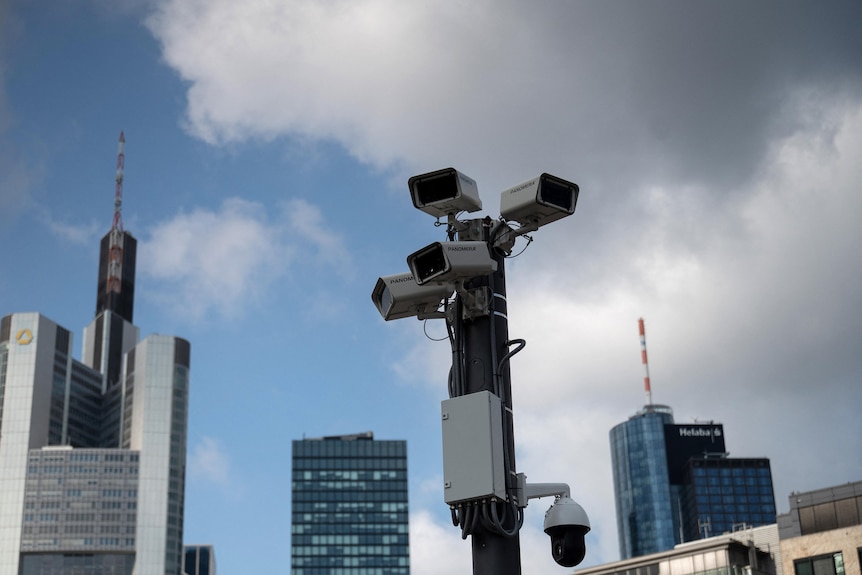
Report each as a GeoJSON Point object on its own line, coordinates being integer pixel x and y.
{"type": "Point", "coordinates": [115, 249]}
{"type": "Point", "coordinates": [647, 389]}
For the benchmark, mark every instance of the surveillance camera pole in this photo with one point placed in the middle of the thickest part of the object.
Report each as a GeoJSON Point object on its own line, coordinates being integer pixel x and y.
{"type": "Point", "coordinates": [491, 507]}
{"type": "Point", "coordinates": [485, 342]}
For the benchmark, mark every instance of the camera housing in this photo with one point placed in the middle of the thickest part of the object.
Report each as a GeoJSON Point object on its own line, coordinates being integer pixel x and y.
{"type": "Point", "coordinates": [539, 201]}
{"type": "Point", "coordinates": [399, 295]}
{"type": "Point", "coordinates": [451, 262]}
{"type": "Point", "coordinates": [567, 523]}
{"type": "Point", "coordinates": [444, 192]}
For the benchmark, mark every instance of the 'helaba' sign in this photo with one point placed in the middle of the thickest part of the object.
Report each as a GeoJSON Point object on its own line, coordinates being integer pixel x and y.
{"type": "Point", "coordinates": [699, 431]}
{"type": "Point", "coordinates": [683, 442]}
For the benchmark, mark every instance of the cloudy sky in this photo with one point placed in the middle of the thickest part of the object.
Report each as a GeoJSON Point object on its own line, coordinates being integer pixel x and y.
{"type": "Point", "coordinates": [717, 147]}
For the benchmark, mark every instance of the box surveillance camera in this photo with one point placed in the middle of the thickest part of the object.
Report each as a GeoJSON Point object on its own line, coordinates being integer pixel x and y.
{"type": "Point", "coordinates": [444, 192]}
{"type": "Point", "coordinates": [399, 296]}
{"type": "Point", "coordinates": [539, 201]}
{"type": "Point", "coordinates": [450, 262]}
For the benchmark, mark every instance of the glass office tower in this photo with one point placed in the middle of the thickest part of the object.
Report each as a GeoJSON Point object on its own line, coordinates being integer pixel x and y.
{"type": "Point", "coordinates": [641, 484]}
{"type": "Point", "coordinates": [724, 494]}
{"type": "Point", "coordinates": [93, 452]}
{"type": "Point", "coordinates": [199, 560]}
{"type": "Point", "coordinates": [675, 483]}
{"type": "Point", "coordinates": [90, 482]}
{"type": "Point", "coordinates": [349, 507]}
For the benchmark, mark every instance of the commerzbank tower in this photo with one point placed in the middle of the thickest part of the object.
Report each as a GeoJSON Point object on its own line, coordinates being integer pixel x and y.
{"type": "Point", "coordinates": [93, 452]}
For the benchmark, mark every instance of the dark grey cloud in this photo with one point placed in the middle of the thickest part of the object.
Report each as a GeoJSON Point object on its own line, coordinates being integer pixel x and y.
{"type": "Point", "coordinates": [706, 86]}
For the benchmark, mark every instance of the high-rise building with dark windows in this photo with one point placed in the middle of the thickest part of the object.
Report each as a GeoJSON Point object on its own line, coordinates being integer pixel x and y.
{"type": "Point", "coordinates": [725, 494]}
{"type": "Point", "coordinates": [676, 483]}
{"type": "Point", "coordinates": [199, 560]}
{"type": "Point", "coordinates": [93, 452]}
{"type": "Point", "coordinates": [641, 483]}
{"type": "Point", "coordinates": [349, 506]}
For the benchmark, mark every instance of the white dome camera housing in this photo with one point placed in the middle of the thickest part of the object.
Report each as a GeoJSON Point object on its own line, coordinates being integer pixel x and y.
{"type": "Point", "coordinates": [567, 523]}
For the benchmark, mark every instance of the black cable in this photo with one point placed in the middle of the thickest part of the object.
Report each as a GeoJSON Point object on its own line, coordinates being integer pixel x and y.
{"type": "Point", "coordinates": [511, 513]}
{"type": "Point", "coordinates": [521, 344]}
{"type": "Point", "coordinates": [425, 331]}
{"type": "Point", "coordinates": [492, 520]}
{"type": "Point", "coordinates": [458, 349]}
{"type": "Point", "coordinates": [529, 241]}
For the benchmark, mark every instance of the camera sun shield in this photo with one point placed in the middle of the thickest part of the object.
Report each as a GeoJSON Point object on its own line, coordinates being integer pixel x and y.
{"type": "Point", "coordinates": [539, 201]}
{"type": "Point", "coordinates": [444, 192]}
{"type": "Point", "coordinates": [450, 262]}
{"type": "Point", "coordinates": [398, 296]}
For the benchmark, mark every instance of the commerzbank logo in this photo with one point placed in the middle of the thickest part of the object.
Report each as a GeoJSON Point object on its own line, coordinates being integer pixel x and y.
{"type": "Point", "coordinates": [24, 336]}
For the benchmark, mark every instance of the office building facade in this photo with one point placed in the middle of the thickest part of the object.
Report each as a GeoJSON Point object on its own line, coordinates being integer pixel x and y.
{"type": "Point", "coordinates": [822, 532]}
{"type": "Point", "coordinates": [199, 560]}
{"type": "Point", "coordinates": [675, 483]}
{"type": "Point", "coordinates": [349, 506]}
{"type": "Point", "coordinates": [641, 484]}
{"type": "Point", "coordinates": [749, 552]}
{"type": "Point", "coordinates": [724, 494]}
{"type": "Point", "coordinates": [93, 452]}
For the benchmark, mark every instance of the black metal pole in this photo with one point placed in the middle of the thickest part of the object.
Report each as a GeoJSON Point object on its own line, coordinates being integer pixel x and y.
{"type": "Point", "coordinates": [485, 342]}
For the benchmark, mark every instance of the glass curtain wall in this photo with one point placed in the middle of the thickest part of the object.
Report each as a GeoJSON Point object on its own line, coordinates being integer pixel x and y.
{"type": "Point", "coordinates": [349, 507]}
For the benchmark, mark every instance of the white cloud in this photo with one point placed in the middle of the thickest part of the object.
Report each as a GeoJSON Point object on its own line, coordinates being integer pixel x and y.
{"type": "Point", "coordinates": [215, 260]}
{"type": "Point", "coordinates": [392, 82]}
{"type": "Point", "coordinates": [224, 261]}
{"type": "Point", "coordinates": [83, 235]}
{"type": "Point", "coordinates": [436, 549]}
{"type": "Point", "coordinates": [209, 463]}
{"type": "Point", "coordinates": [306, 221]}
{"type": "Point", "coordinates": [299, 51]}
{"type": "Point", "coordinates": [425, 362]}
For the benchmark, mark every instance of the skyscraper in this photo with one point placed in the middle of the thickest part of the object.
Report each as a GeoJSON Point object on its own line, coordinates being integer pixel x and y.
{"type": "Point", "coordinates": [92, 452]}
{"type": "Point", "coordinates": [349, 506]}
{"type": "Point", "coordinates": [675, 483]}
{"type": "Point", "coordinates": [199, 560]}
{"type": "Point", "coordinates": [641, 483]}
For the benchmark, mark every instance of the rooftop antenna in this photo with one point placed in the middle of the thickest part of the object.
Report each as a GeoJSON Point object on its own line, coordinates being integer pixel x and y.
{"type": "Point", "coordinates": [115, 248]}
{"type": "Point", "coordinates": [647, 389]}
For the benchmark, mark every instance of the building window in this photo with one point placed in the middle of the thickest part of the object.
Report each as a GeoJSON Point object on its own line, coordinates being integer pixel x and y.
{"type": "Point", "coordinates": [832, 564]}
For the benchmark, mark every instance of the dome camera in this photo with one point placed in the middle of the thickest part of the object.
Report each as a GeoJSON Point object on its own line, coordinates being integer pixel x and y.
{"type": "Point", "coordinates": [567, 523]}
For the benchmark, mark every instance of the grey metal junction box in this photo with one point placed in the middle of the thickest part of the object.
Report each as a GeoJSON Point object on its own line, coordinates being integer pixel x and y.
{"type": "Point", "coordinates": [473, 455]}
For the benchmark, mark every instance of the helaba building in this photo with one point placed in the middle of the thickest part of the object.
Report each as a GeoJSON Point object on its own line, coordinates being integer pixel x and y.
{"type": "Point", "coordinates": [675, 483]}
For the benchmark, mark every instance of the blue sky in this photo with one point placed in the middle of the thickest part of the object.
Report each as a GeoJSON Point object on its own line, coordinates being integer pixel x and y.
{"type": "Point", "coordinates": [268, 150]}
